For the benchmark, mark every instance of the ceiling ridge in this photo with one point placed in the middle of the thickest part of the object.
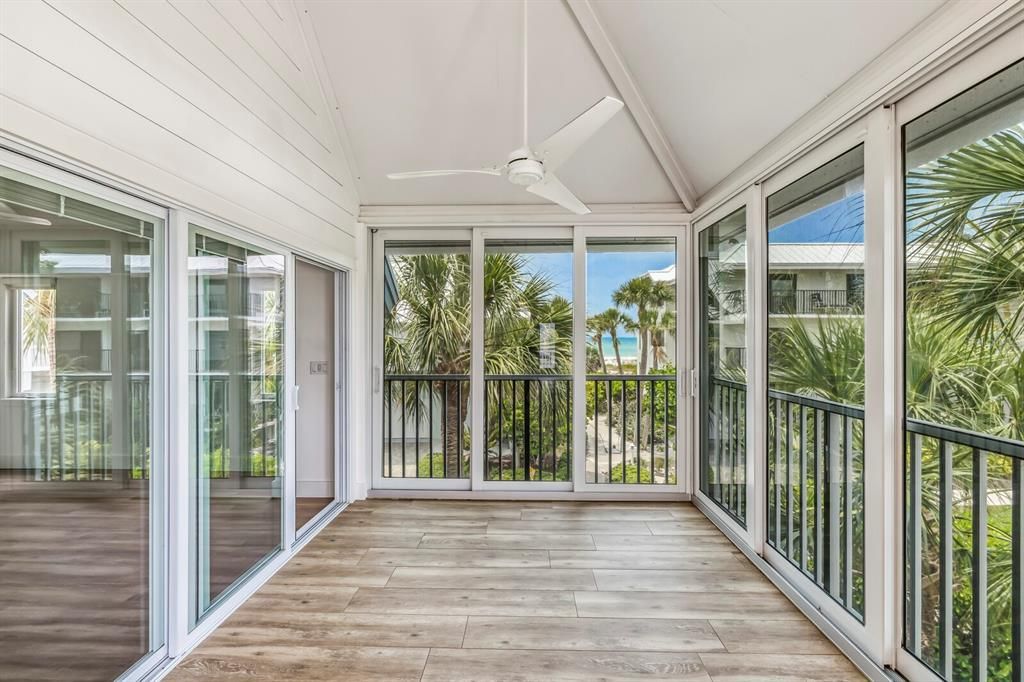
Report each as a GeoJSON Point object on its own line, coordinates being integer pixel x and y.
{"type": "Point", "coordinates": [616, 68]}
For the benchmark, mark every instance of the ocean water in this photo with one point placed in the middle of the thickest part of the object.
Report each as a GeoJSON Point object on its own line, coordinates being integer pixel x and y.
{"type": "Point", "coordinates": [627, 346]}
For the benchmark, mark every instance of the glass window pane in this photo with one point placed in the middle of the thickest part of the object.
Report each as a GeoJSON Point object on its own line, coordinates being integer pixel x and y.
{"type": "Point", "coordinates": [631, 360]}
{"type": "Point", "coordinates": [723, 348]}
{"type": "Point", "coordinates": [816, 376]}
{"type": "Point", "coordinates": [317, 381]}
{"type": "Point", "coordinates": [236, 345]}
{"type": "Point", "coordinates": [528, 360]}
{"type": "Point", "coordinates": [427, 320]}
{"type": "Point", "coordinates": [964, 367]}
{"type": "Point", "coordinates": [81, 542]}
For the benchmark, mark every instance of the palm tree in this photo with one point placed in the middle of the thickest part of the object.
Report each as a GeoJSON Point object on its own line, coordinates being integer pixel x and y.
{"type": "Point", "coordinates": [662, 325]}
{"type": "Point", "coordinates": [428, 331]}
{"type": "Point", "coordinates": [644, 294]}
{"type": "Point", "coordinates": [38, 326]}
{"type": "Point", "coordinates": [617, 319]}
{"type": "Point", "coordinates": [598, 325]}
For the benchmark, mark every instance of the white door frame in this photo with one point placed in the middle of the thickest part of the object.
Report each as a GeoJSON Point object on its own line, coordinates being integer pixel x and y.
{"type": "Point", "coordinates": [378, 480]}
{"type": "Point", "coordinates": [684, 359]}
{"type": "Point", "coordinates": [869, 634]}
{"type": "Point", "coordinates": [475, 484]}
{"type": "Point", "coordinates": [480, 237]}
{"type": "Point", "coordinates": [749, 202]}
{"type": "Point", "coordinates": [339, 377]}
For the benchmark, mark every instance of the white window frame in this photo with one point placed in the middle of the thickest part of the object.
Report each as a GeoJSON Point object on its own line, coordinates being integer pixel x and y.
{"type": "Point", "coordinates": [754, 323]}
{"type": "Point", "coordinates": [683, 486]}
{"type": "Point", "coordinates": [1000, 54]}
{"type": "Point", "coordinates": [870, 635]}
{"type": "Point", "coordinates": [378, 480]}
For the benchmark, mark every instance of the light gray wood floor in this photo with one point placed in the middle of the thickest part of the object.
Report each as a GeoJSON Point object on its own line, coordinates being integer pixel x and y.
{"type": "Point", "coordinates": [478, 591]}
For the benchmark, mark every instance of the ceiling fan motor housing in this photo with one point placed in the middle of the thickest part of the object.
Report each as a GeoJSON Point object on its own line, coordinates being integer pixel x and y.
{"type": "Point", "coordinates": [525, 171]}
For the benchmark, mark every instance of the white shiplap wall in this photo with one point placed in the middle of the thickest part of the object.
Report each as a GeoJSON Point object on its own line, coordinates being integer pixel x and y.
{"type": "Point", "coordinates": [215, 106]}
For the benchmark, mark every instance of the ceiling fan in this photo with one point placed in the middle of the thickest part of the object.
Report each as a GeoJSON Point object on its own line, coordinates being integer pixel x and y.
{"type": "Point", "coordinates": [533, 168]}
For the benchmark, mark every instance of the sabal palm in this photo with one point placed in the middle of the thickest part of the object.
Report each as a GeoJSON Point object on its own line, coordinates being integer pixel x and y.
{"type": "Point", "coordinates": [663, 325]}
{"type": "Point", "coordinates": [429, 330]}
{"type": "Point", "coordinates": [965, 325]}
{"type": "Point", "coordinates": [597, 325]}
{"type": "Point", "coordinates": [644, 294]}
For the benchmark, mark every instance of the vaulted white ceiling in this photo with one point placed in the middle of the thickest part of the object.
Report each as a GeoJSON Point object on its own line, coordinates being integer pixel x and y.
{"type": "Point", "coordinates": [428, 84]}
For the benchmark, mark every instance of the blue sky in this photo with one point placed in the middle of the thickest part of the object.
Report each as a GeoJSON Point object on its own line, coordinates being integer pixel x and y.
{"type": "Point", "coordinates": [839, 222]}
{"type": "Point", "coordinates": [607, 272]}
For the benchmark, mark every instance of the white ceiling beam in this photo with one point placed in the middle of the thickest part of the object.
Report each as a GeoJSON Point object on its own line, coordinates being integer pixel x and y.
{"type": "Point", "coordinates": [631, 95]}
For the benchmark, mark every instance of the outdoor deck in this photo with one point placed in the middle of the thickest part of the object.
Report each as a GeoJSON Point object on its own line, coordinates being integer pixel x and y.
{"type": "Point", "coordinates": [431, 590]}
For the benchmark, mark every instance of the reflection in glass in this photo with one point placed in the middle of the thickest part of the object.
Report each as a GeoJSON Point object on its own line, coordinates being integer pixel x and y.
{"type": "Point", "coordinates": [236, 308]}
{"type": "Point", "coordinates": [631, 360]}
{"type": "Point", "coordinates": [723, 358]}
{"type": "Point", "coordinates": [964, 366]}
{"type": "Point", "coordinates": [816, 376]}
{"type": "Point", "coordinates": [528, 360]}
{"type": "Point", "coordinates": [427, 320]}
{"type": "Point", "coordinates": [77, 583]}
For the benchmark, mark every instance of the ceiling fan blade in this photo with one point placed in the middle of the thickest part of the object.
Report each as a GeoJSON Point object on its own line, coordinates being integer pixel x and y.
{"type": "Point", "coordinates": [556, 149]}
{"type": "Point", "coordinates": [436, 173]}
{"type": "Point", "coordinates": [552, 189]}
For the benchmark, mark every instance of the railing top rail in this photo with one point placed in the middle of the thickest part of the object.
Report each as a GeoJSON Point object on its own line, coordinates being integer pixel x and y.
{"type": "Point", "coordinates": [973, 439]}
{"type": "Point", "coordinates": [527, 377]}
{"type": "Point", "coordinates": [426, 377]}
{"type": "Point", "coordinates": [631, 377]}
{"type": "Point", "coordinates": [818, 403]}
{"type": "Point", "coordinates": [728, 383]}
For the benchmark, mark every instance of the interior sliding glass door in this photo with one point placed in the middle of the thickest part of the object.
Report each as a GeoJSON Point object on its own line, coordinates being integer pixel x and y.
{"type": "Point", "coordinates": [236, 302]}
{"type": "Point", "coordinates": [82, 465]}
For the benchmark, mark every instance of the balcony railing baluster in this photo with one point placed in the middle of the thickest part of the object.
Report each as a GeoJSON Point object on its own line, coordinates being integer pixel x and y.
{"type": "Point", "coordinates": [813, 521]}
{"type": "Point", "coordinates": [954, 632]}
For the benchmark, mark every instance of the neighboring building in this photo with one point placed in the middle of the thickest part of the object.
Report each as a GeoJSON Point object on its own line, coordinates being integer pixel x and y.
{"type": "Point", "coordinates": [808, 281]}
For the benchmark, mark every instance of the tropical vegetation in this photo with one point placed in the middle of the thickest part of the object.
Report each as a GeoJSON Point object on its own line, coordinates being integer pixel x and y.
{"type": "Point", "coordinates": [964, 369]}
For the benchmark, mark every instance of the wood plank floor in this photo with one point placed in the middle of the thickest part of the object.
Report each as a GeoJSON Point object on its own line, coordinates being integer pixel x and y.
{"type": "Point", "coordinates": [478, 591]}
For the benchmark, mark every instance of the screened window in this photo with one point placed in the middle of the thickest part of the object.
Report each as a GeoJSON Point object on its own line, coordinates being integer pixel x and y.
{"type": "Point", "coordinates": [964, 372]}
{"type": "Point", "coordinates": [816, 376]}
{"type": "Point", "coordinates": [723, 323]}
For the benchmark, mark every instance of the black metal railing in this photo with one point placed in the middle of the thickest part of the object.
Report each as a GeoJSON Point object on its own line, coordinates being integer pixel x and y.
{"type": "Point", "coordinates": [259, 403]}
{"type": "Point", "coordinates": [631, 429]}
{"type": "Point", "coordinates": [426, 429]}
{"type": "Point", "coordinates": [812, 301]}
{"type": "Point", "coordinates": [528, 422]}
{"type": "Point", "coordinates": [724, 446]}
{"type": "Point", "coordinates": [816, 492]}
{"type": "Point", "coordinates": [69, 435]}
{"type": "Point", "coordinates": [964, 552]}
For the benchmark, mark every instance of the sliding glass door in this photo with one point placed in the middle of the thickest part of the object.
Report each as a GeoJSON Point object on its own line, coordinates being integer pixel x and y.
{"type": "Point", "coordinates": [422, 352]}
{"type": "Point", "coordinates": [81, 450]}
{"type": "Point", "coordinates": [527, 339]}
{"type": "Point", "coordinates": [632, 359]}
{"type": "Point", "coordinates": [963, 486]}
{"type": "Point", "coordinates": [815, 441]}
{"type": "Point", "coordinates": [571, 336]}
{"type": "Point", "coordinates": [236, 354]}
{"type": "Point", "coordinates": [722, 348]}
